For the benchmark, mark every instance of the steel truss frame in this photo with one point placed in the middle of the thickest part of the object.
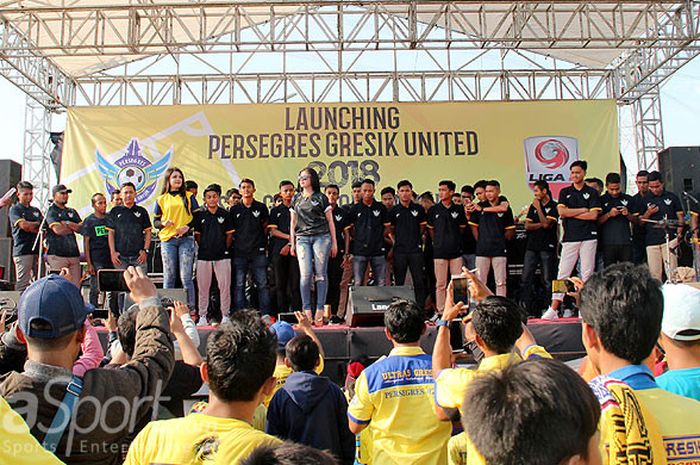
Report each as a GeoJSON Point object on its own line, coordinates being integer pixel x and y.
{"type": "Point", "coordinates": [37, 165]}
{"type": "Point", "coordinates": [192, 51]}
{"type": "Point", "coordinates": [139, 27]}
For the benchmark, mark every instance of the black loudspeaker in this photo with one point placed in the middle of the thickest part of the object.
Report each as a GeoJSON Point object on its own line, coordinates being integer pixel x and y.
{"type": "Point", "coordinates": [366, 304]}
{"type": "Point", "coordinates": [7, 266]}
{"type": "Point", "coordinates": [680, 168]}
{"type": "Point", "coordinates": [10, 175]}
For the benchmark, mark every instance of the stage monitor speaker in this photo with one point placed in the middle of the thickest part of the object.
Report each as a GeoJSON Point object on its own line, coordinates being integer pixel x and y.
{"type": "Point", "coordinates": [6, 262]}
{"type": "Point", "coordinates": [10, 175]}
{"type": "Point", "coordinates": [366, 304]}
{"type": "Point", "coordinates": [680, 168]}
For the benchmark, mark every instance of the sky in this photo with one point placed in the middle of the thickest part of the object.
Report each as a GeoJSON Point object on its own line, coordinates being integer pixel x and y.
{"type": "Point", "coordinates": [680, 106]}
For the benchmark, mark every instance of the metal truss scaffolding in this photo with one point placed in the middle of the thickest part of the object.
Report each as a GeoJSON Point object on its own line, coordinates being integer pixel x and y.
{"type": "Point", "coordinates": [648, 129]}
{"type": "Point", "coordinates": [37, 164]}
{"type": "Point", "coordinates": [165, 52]}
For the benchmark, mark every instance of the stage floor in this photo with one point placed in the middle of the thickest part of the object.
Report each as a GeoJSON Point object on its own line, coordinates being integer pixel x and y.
{"type": "Point", "coordinates": [562, 338]}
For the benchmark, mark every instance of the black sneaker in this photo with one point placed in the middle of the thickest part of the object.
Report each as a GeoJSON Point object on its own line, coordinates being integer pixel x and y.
{"type": "Point", "coordinates": [336, 320]}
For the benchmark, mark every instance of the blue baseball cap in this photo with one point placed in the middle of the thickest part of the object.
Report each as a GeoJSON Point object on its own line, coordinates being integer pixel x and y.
{"type": "Point", "coordinates": [52, 307]}
{"type": "Point", "coordinates": [284, 331]}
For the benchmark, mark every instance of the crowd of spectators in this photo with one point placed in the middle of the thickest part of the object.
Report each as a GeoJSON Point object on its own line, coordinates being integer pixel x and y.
{"type": "Point", "coordinates": [634, 398]}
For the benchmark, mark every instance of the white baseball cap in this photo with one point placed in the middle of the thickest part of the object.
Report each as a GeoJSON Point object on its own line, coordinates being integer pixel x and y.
{"type": "Point", "coordinates": [681, 319]}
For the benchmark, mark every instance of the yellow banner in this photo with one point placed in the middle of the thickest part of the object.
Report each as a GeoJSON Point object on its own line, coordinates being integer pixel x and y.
{"type": "Point", "coordinates": [515, 142]}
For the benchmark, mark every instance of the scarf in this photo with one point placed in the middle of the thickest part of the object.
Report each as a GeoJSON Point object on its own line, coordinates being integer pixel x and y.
{"type": "Point", "coordinates": [629, 432]}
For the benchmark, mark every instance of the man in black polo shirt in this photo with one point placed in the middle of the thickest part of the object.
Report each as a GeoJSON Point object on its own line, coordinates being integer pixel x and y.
{"type": "Point", "coordinates": [95, 243]}
{"type": "Point", "coordinates": [491, 230]}
{"type": "Point", "coordinates": [63, 222]}
{"type": "Point", "coordinates": [337, 264]}
{"type": "Point", "coordinates": [638, 207]}
{"type": "Point", "coordinates": [129, 231]}
{"type": "Point", "coordinates": [213, 231]}
{"type": "Point", "coordinates": [25, 221]}
{"type": "Point", "coordinates": [468, 241]}
{"type": "Point", "coordinates": [284, 266]}
{"type": "Point", "coordinates": [579, 207]}
{"type": "Point", "coordinates": [446, 222]}
{"type": "Point", "coordinates": [250, 219]}
{"type": "Point", "coordinates": [661, 205]}
{"type": "Point", "coordinates": [370, 224]}
{"type": "Point", "coordinates": [541, 247]}
{"type": "Point", "coordinates": [356, 194]}
{"type": "Point", "coordinates": [614, 223]}
{"type": "Point", "coordinates": [408, 221]}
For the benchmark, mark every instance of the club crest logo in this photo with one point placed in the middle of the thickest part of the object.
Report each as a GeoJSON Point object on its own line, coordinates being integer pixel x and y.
{"type": "Point", "coordinates": [668, 201]}
{"type": "Point", "coordinates": [338, 218]}
{"type": "Point", "coordinates": [375, 212]}
{"type": "Point", "coordinates": [414, 213]}
{"type": "Point", "coordinates": [220, 219]}
{"type": "Point", "coordinates": [135, 168]}
{"type": "Point", "coordinates": [256, 213]}
{"type": "Point", "coordinates": [137, 214]}
{"type": "Point", "coordinates": [624, 202]}
{"type": "Point", "coordinates": [454, 215]}
{"type": "Point", "coordinates": [586, 196]}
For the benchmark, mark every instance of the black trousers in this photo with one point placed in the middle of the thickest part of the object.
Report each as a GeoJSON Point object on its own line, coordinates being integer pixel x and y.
{"type": "Point", "coordinates": [616, 254]}
{"type": "Point", "coordinates": [286, 273]}
{"type": "Point", "coordinates": [335, 276]}
{"type": "Point", "coordinates": [639, 249]}
{"type": "Point", "coordinates": [413, 262]}
{"type": "Point", "coordinates": [527, 283]}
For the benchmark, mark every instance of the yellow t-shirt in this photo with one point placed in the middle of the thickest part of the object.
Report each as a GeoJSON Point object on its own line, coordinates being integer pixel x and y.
{"type": "Point", "coordinates": [196, 439]}
{"type": "Point", "coordinates": [457, 449]}
{"type": "Point", "coordinates": [394, 396]}
{"type": "Point", "coordinates": [172, 207]}
{"type": "Point", "coordinates": [451, 387]}
{"type": "Point", "coordinates": [281, 374]}
{"type": "Point", "coordinates": [451, 384]}
{"type": "Point", "coordinates": [17, 445]}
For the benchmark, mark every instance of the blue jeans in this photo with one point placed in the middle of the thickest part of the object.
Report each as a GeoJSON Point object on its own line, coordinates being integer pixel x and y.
{"type": "Point", "coordinates": [258, 264]}
{"type": "Point", "coordinates": [359, 266]}
{"type": "Point", "coordinates": [313, 253]}
{"type": "Point", "coordinates": [178, 257]}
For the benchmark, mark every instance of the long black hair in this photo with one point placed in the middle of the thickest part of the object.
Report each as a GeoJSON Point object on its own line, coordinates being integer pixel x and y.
{"type": "Point", "coordinates": [315, 180]}
{"type": "Point", "coordinates": [182, 191]}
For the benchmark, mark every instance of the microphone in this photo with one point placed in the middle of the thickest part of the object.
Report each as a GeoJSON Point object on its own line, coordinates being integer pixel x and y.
{"type": "Point", "coordinates": [691, 197]}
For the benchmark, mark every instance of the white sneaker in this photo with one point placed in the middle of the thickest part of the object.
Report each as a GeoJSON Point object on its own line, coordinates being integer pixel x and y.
{"type": "Point", "coordinates": [568, 313]}
{"type": "Point", "coordinates": [550, 314]}
{"type": "Point", "coordinates": [202, 321]}
{"type": "Point", "coordinates": [225, 320]}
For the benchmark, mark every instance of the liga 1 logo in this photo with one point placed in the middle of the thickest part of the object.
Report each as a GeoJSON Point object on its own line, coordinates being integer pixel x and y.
{"type": "Point", "coordinates": [548, 158]}
{"type": "Point", "coordinates": [135, 168]}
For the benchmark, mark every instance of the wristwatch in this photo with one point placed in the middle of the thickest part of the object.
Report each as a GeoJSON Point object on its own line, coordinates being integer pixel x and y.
{"type": "Point", "coordinates": [442, 322]}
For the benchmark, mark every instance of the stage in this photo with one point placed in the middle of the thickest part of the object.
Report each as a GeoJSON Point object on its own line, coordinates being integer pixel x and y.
{"type": "Point", "coordinates": [341, 343]}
